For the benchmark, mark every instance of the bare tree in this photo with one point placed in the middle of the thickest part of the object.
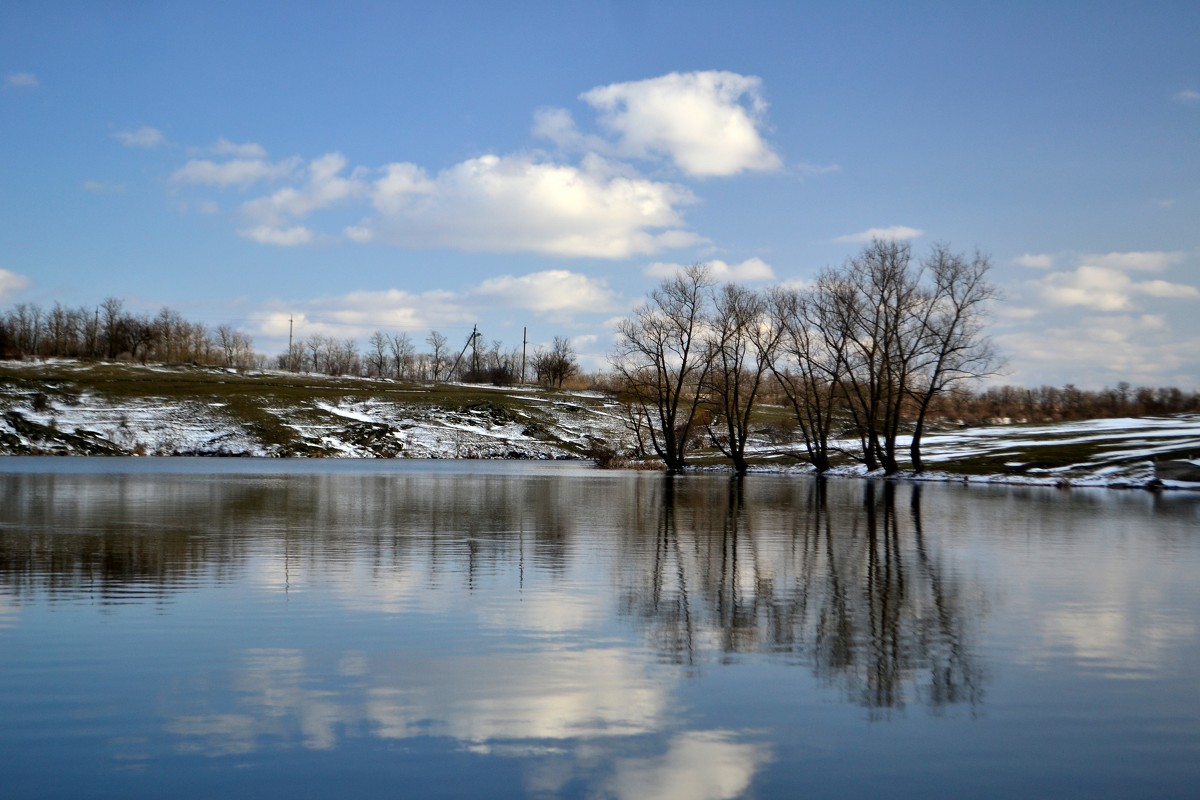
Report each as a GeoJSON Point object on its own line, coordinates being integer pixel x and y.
{"type": "Point", "coordinates": [953, 347]}
{"type": "Point", "coordinates": [318, 346]}
{"type": "Point", "coordinates": [377, 355]}
{"type": "Point", "coordinates": [809, 366]}
{"type": "Point", "coordinates": [226, 341]}
{"type": "Point", "coordinates": [877, 299]}
{"type": "Point", "coordinates": [113, 310]}
{"type": "Point", "coordinates": [741, 347]}
{"type": "Point", "coordinates": [437, 363]}
{"type": "Point", "coordinates": [402, 355]}
{"type": "Point", "coordinates": [554, 366]}
{"type": "Point", "coordinates": [661, 363]}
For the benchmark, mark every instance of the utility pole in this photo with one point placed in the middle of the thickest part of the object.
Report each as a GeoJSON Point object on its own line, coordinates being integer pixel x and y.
{"type": "Point", "coordinates": [474, 353]}
{"type": "Point", "coordinates": [524, 344]}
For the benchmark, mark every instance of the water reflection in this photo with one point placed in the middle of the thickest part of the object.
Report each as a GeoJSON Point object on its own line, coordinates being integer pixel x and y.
{"type": "Point", "coordinates": [851, 588]}
{"type": "Point", "coordinates": [562, 622]}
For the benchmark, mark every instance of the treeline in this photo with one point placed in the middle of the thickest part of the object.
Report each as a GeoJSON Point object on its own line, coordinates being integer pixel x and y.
{"type": "Point", "coordinates": [110, 331]}
{"type": "Point", "coordinates": [396, 356]}
{"type": "Point", "coordinates": [1052, 403]}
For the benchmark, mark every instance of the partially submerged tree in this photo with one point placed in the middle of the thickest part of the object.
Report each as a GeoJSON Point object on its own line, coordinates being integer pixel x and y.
{"type": "Point", "coordinates": [661, 362]}
{"type": "Point", "coordinates": [954, 347]}
{"type": "Point", "coordinates": [809, 366]}
{"type": "Point", "coordinates": [741, 346]}
{"type": "Point", "coordinates": [910, 332]}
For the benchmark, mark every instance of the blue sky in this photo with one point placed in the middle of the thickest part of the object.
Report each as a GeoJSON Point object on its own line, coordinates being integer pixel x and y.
{"type": "Point", "coordinates": [411, 166]}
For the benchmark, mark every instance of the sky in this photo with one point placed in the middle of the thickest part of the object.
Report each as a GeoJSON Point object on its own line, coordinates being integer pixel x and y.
{"type": "Point", "coordinates": [540, 166]}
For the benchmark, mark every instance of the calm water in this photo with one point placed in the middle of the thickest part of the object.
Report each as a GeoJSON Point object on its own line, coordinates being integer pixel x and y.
{"type": "Point", "coordinates": [359, 629]}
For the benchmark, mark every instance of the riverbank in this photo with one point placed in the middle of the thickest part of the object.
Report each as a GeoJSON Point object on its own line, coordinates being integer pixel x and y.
{"type": "Point", "coordinates": [97, 408]}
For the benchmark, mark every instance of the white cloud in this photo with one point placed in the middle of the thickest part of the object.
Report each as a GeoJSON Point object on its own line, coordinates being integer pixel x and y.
{"type": "Point", "coordinates": [556, 294]}
{"type": "Point", "coordinates": [897, 232]}
{"type": "Point", "coordinates": [1100, 350]}
{"type": "Point", "coordinates": [1098, 288]}
{"type": "Point", "coordinates": [517, 203]}
{"type": "Point", "coordinates": [1147, 261]}
{"type": "Point", "coordinates": [242, 172]}
{"type": "Point", "coordinates": [1177, 291]}
{"type": "Point", "coordinates": [21, 80]}
{"type": "Point", "coordinates": [325, 187]}
{"type": "Point", "coordinates": [1035, 260]}
{"type": "Point", "coordinates": [582, 202]}
{"type": "Point", "coordinates": [1106, 289]}
{"type": "Point", "coordinates": [707, 123]}
{"type": "Point", "coordinates": [11, 283]}
{"type": "Point", "coordinates": [1188, 96]}
{"type": "Point", "coordinates": [144, 138]}
{"type": "Point", "coordinates": [549, 292]}
{"type": "Point", "coordinates": [224, 147]}
{"type": "Point", "coordinates": [284, 237]}
{"type": "Point", "coordinates": [556, 125]}
{"type": "Point", "coordinates": [752, 269]}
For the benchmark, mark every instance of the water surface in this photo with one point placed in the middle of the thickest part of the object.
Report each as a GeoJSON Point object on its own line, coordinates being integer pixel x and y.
{"type": "Point", "coordinates": [446, 629]}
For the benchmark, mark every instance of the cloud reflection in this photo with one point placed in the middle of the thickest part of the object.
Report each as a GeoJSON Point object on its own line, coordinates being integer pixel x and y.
{"type": "Point", "coordinates": [570, 712]}
{"type": "Point", "coordinates": [698, 765]}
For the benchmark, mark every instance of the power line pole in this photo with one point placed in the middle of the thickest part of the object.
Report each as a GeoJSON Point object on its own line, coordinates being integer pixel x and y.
{"type": "Point", "coordinates": [474, 353]}
{"type": "Point", "coordinates": [524, 344]}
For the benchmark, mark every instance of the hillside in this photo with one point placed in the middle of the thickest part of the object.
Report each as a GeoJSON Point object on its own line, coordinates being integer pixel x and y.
{"type": "Point", "coordinates": [103, 408]}
{"type": "Point", "coordinates": [79, 408]}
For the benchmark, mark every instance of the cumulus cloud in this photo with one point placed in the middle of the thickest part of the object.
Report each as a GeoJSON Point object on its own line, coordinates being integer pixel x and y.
{"type": "Point", "coordinates": [555, 294]}
{"type": "Point", "coordinates": [1145, 261]}
{"type": "Point", "coordinates": [1035, 260]}
{"type": "Point", "coordinates": [1097, 350]}
{"type": "Point", "coordinates": [1178, 291]}
{"type": "Point", "coordinates": [898, 232]}
{"type": "Point", "coordinates": [1106, 289]}
{"type": "Point", "coordinates": [224, 147]}
{"type": "Point", "coordinates": [1188, 96]}
{"type": "Point", "coordinates": [273, 217]}
{"type": "Point", "coordinates": [752, 269]}
{"type": "Point", "coordinates": [240, 172]}
{"type": "Point", "coordinates": [284, 237]}
{"type": "Point", "coordinates": [549, 292]}
{"type": "Point", "coordinates": [707, 123]}
{"type": "Point", "coordinates": [11, 283]}
{"type": "Point", "coordinates": [1099, 288]}
{"type": "Point", "coordinates": [558, 126]}
{"type": "Point", "coordinates": [585, 200]}
{"type": "Point", "coordinates": [358, 314]}
{"type": "Point", "coordinates": [144, 138]}
{"type": "Point", "coordinates": [21, 80]}
{"type": "Point", "coordinates": [517, 203]}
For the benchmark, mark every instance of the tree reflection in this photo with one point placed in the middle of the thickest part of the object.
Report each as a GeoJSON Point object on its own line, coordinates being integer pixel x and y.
{"type": "Point", "coordinates": [851, 588]}
{"type": "Point", "coordinates": [831, 576]}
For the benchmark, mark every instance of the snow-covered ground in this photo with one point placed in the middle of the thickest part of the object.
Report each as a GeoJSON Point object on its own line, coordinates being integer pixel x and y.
{"type": "Point", "coordinates": [529, 423]}
{"type": "Point", "coordinates": [541, 426]}
{"type": "Point", "coordinates": [1106, 452]}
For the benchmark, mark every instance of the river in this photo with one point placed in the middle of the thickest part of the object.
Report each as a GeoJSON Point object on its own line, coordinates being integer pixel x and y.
{"type": "Point", "coordinates": [248, 628]}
